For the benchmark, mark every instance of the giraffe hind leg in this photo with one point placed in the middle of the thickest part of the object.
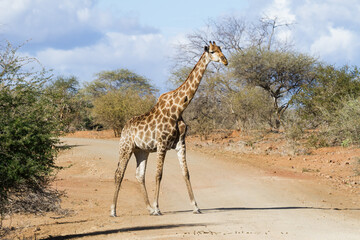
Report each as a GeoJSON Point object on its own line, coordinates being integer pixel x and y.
{"type": "Point", "coordinates": [141, 161]}
{"type": "Point", "coordinates": [125, 154]}
{"type": "Point", "coordinates": [181, 152]}
{"type": "Point", "coordinates": [185, 171]}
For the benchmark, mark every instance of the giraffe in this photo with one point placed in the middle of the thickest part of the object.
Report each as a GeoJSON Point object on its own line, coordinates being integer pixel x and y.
{"type": "Point", "coordinates": [160, 130]}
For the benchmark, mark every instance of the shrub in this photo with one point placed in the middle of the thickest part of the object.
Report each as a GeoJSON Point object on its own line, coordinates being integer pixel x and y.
{"type": "Point", "coordinates": [70, 104]}
{"type": "Point", "coordinates": [28, 130]}
{"type": "Point", "coordinates": [251, 107]}
{"type": "Point", "coordinates": [331, 106]}
{"type": "Point", "coordinates": [116, 107]}
{"type": "Point", "coordinates": [343, 124]}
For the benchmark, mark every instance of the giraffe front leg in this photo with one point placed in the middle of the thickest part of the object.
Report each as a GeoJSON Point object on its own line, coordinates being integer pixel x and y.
{"type": "Point", "coordinates": [181, 152]}
{"type": "Point", "coordinates": [161, 152]}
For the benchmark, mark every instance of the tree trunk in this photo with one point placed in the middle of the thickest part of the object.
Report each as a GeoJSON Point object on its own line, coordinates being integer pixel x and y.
{"type": "Point", "coordinates": [278, 114]}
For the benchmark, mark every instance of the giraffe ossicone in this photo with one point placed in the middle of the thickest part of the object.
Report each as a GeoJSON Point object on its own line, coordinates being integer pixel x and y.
{"type": "Point", "coordinates": [160, 130]}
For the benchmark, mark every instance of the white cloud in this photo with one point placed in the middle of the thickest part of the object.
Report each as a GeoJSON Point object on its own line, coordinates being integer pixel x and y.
{"type": "Point", "coordinates": [334, 11]}
{"type": "Point", "coordinates": [83, 14]}
{"type": "Point", "coordinates": [80, 38]}
{"type": "Point", "coordinates": [338, 43]}
{"type": "Point", "coordinates": [327, 29]}
{"type": "Point", "coordinates": [280, 9]}
{"type": "Point", "coordinates": [144, 54]}
{"type": "Point", "coordinates": [52, 23]}
{"type": "Point", "coordinates": [11, 9]}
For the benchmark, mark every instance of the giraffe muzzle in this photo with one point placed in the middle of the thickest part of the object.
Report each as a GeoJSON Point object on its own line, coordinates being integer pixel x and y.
{"type": "Point", "coordinates": [224, 61]}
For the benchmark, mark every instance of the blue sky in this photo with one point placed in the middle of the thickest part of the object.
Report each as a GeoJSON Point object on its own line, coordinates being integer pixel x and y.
{"type": "Point", "coordinates": [83, 37]}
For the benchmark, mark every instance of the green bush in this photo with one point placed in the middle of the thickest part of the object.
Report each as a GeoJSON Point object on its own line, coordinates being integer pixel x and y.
{"type": "Point", "coordinates": [28, 130]}
{"type": "Point", "coordinates": [116, 96]}
{"type": "Point", "coordinates": [326, 94]}
{"type": "Point", "coordinates": [251, 107]}
{"type": "Point", "coordinates": [113, 109]}
{"type": "Point", "coordinates": [343, 124]}
{"type": "Point", "coordinates": [70, 104]}
{"type": "Point", "coordinates": [331, 105]}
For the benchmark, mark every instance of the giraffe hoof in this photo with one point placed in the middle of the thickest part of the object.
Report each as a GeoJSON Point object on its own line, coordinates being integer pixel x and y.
{"type": "Point", "coordinates": [113, 211]}
{"type": "Point", "coordinates": [156, 213]}
{"type": "Point", "coordinates": [197, 211]}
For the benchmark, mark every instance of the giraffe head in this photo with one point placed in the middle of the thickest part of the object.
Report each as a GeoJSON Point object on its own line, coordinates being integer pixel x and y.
{"type": "Point", "coordinates": [215, 54]}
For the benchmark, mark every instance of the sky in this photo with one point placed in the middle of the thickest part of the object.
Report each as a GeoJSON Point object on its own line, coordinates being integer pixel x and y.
{"type": "Point", "coordinates": [83, 37]}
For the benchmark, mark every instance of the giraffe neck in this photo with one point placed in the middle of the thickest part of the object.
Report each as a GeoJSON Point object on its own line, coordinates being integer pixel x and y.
{"type": "Point", "coordinates": [188, 89]}
{"type": "Point", "coordinates": [172, 104]}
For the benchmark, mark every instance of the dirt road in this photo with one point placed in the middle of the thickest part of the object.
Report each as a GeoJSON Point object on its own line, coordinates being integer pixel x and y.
{"type": "Point", "coordinates": [237, 201]}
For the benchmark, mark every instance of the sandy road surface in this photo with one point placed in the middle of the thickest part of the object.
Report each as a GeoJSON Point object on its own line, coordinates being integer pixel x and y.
{"type": "Point", "coordinates": [237, 201]}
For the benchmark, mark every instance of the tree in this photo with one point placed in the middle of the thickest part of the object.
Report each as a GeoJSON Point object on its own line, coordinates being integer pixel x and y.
{"type": "Point", "coordinates": [251, 108]}
{"type": "Point", "coordinates": [69, 102]}
{"type": "Point", "coordinates": [282, 74]}
{"type": "Point", "coordinates": [258, 58]}
{"type": "Point", "coordinates": [331, 104]}
{"type": "Point", "coordinates": [114, 80]}
{"type": "Point", "coordinates": [331, 86]}
{"type": "Point", "coordinates": [206, 112]}
{"type": "Point", "coordinates": [118, 95]}
{"type": "Point", "coordinates": [28, 135]}
{"type": "Point", "coordinates": [116, 107]}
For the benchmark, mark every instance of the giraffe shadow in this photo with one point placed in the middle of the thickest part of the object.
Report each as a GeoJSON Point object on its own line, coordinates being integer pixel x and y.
{"type": "Point", "coordinates": [121, 230]}
{"type": "Point", "coordinates": [226, 209]}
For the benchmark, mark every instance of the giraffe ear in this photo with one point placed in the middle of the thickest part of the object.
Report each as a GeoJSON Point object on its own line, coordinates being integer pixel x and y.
{"type": "Point", "coordinates": [206, 49]}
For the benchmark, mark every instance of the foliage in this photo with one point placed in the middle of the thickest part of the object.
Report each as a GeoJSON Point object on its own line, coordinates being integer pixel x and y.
{"type": "Point", "coordinates": [116, 96]}
{"type": "Point", "coordinates": [28, 129]}
{"type": "Point", "coordinates": [331, 104]}
{"type": "Point", "coordinates": [342, 125]}
{"type": "Point", "coordinates": [251, 108]}
{"type": "Point", "coordinates": [206, 112]}
{"type": "Point", "coordinates": [70, 104]}
{"type": "Point", "coordinates": [116, 107]}
{"type": "Point", "coordinates": [201, 115]}
{"type": "Point", "coordinates": [179, 75]}
{"type": "Point", "coordinates": [107, 81]}
{"type": "Point", "coordinates": [281, 74]}
{"type": "Point", "coordinates": [331, 86]}
{"type": "Point", "coordinates": [258, 58]}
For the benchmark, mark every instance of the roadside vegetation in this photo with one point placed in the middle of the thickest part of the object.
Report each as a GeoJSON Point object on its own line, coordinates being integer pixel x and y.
{"type": "Point", "coordinates": [29, 130]}
{"type": "Point", "coordinates": [269, 86]}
